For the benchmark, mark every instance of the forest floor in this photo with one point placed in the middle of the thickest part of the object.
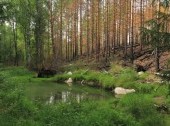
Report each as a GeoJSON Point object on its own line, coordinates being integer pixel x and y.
{"type": "Point", "coordinates": [144, 58]}
{"type": "Point", "coordinates": [147, 60]}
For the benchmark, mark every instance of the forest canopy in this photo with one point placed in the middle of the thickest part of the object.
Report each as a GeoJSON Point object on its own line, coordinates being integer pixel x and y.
{"type": "Point", "coordinates": [45, 33]}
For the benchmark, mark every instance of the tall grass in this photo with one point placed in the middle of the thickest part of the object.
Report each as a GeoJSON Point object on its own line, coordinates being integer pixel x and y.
{"type": "Point", "coordinates": [141, 107]}
{"type": "Point", "coordinates": [125, 78]}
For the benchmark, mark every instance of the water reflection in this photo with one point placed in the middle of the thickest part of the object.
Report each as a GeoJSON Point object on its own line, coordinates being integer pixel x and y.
{"type": "Point", "coordinates": [54, 93]}
{"type": "Point", "coordinates": [65, 96]}
{"type": "Point", "coordinates": [68, 96]}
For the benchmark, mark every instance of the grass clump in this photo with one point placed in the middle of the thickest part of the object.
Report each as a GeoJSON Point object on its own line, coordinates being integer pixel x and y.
{"type": "Point", "coordinates": [107, 82]}
{"type": "Point", "coordinates": [161, 90]}
{"type": "Point", "coordinates": [61, 78]}
{"type": "Point", "coordinates": [145, 88]}
{"type": "Point", "coordinates": [98, 78]}
{"type": "Point", "coordinates": [141, 107]}
{"type": "Point", "coordinates": [126, 76]}
{"type": "Point", "coordinates": [115, 68]}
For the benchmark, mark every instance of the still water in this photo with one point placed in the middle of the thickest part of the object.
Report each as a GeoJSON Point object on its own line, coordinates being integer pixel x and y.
{"type": "Point", "coordinates": [50, 93]}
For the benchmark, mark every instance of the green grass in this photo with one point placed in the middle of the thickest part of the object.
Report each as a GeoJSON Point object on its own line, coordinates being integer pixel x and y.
{"type": "Point", "coordinates": [130, 110]}
{"type": "Point", "coordinates": [142, 108]}
{"type": "Point", "coordinates": [126, 78]}
{"type": "Point", "coordinates": [99, 79]}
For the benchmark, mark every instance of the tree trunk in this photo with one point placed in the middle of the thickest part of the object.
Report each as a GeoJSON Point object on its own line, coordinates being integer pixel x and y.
{"type": "Point", "coordinates": [88, 46]}
{"type": "Point", "coordinates": [132, 33]}
{"type": "Point", "coordinates": [52, 27]}
{"type": "Point", "coordinates": [15, 43]}
{"type": "Point", "coordinates": [81, 29]}
{"type": "Point", "coordinates": [157, 59]}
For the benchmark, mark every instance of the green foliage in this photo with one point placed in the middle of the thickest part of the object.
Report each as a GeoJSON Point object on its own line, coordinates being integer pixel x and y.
{"type": "Point", "coordinates": [161, 90]}
{"type": "Point", "coordinates": [130, 110]}
{"type": "Point", "coordinates": [145, 88]}
{"type": "Point", "coordinates": [141, 107]}
{"type": "Point", "coordinates": [107, 81]}
{"type": "Point", "coordinates": [102, 79]}
{"type": "Point", "coordinates": [115, 68]}
{"type": "Point", "coordinates": [143, 76]}
{"type": "Point", "coordinates": [126, 76]}
{"type": "Point", "coordinates": [61, 78]}
{"type": "Point", "coordinates": [154, 33]}
{"type": "Point", "coordinates": [78, 114]}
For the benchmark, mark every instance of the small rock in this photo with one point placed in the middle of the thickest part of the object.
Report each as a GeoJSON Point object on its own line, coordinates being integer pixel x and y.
{"type": "Point", "coordinates": [162, 74]}
{"type": "Point", "coordinates": [82, 82]}
{"type": "Point", "coordinates": [51, 99]}
{"type": "Point", "coordinates": [69, 81]}
{"type": "Point", "coordinates": [140, 73]}
{"type": "Point", "coordinates": [157, 73]}
{"type": "Point", "coordinates": [168, 75]}
{"type": "Point", "coordinates": [121, 91]}
{"type": "Point", "coordinates": [70, 73]}
{"type": "Point", "coordinates": [130, 90]}
{"type": "Point", "coordinates": [104, 71]}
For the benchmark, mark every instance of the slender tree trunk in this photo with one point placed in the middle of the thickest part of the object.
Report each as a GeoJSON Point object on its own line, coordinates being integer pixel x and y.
{"type": "Point", "coordinates": [52, 27]}
{"type": "Point", "coordinates": [61, 31]}
{"type": "Point", "coordinates": [126, 29]}
{"type": "Point", "coordinates": [157, 46]}
{"type": "Point", "coordinates": [81, 28]}
{"type": "Point", "coordinates": [141, 20]}
{"type": "Point", "coordinates": [39, 30]}
{"type": "Point", "coordinates": [157, 59]}
{"type": "Point", "coordinates": [75, 31]}
{"type": "Point", "coordinates": [27, 46]}
{"type": "Point", "coordinates": [132, 33]}
{"type": "Point", "coordinates": [88, 40]}
{"type": "Point", "coordinates": [93, 24]}
{"type": "Point", "coordinates": [114, 27]}
{"type": "Point", "coordinates": [15, 43]}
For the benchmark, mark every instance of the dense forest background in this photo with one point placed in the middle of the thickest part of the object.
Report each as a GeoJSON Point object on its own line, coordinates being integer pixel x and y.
{"type": "Point", "coordinates": [46, 33]}
{"type": "Point", "coordinates": [84, 63]}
